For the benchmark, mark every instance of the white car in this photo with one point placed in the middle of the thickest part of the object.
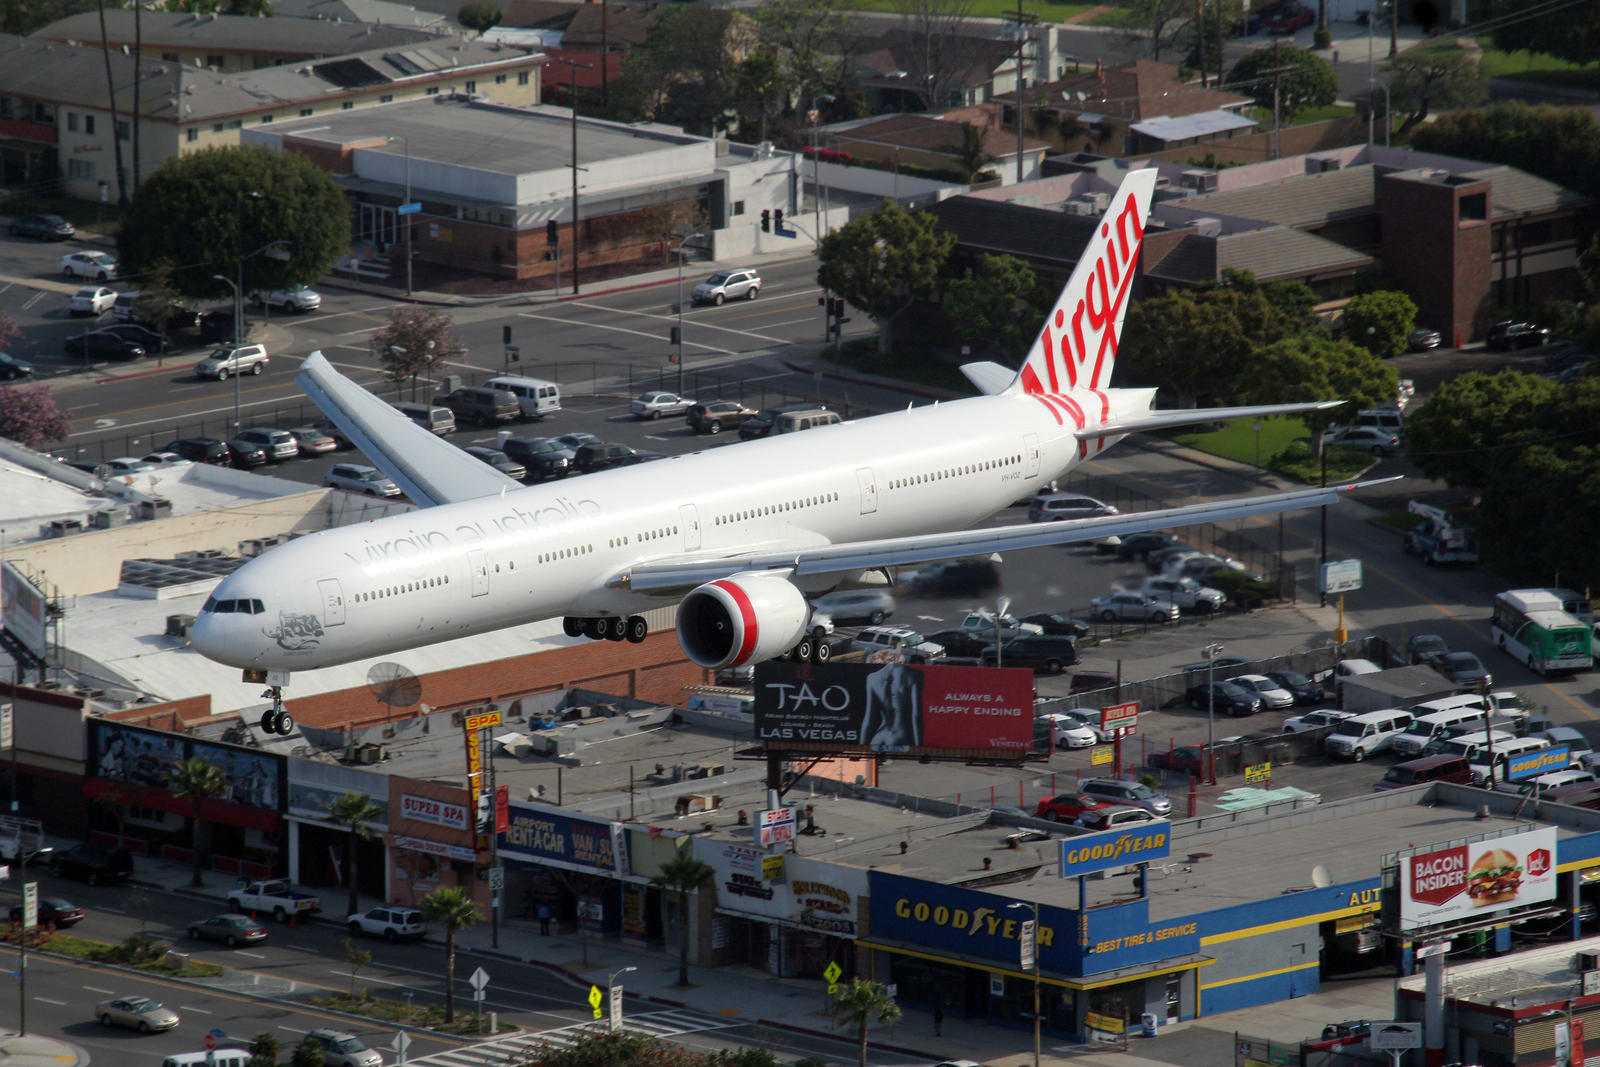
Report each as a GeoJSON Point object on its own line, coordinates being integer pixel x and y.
{"type": "Point", "coordinates": [727, 285]}
{"type": "Point", "coordinates": [1187, 593]}
{"type": "Point", "coordinates": [1315, 720]}
{"type": "Point", "coordinates": [296, 298]}
{"type": "Point", "coordinates": [128, 465]}
{"type": "Point", "coordinates": [1132, 607]}
{"type": "Point", "coordinates": [1271, 693]}
{"type": "Point", "coordinates": [359, 478]}
{"type": "Point", "coordinates": [101, 266]}
{"type": "Point", "coordinates": [1364, 439]}
{"type": "Point", "coordinates": [983, 625]}
{"type": "Point", "coordinates": [164, 459]}
{"type": "Point", "coordinates": [92, 300]}
{"type": "Point", "coordinates": [226, 362]}
{"type": "Point", "coordinates": [1070, 731]}
{"type": "Point", "coordinates": [654, 404]}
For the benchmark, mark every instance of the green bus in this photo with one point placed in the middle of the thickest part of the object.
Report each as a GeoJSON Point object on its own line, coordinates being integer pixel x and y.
{"type": "Point", "coordinates": [1531, 625]}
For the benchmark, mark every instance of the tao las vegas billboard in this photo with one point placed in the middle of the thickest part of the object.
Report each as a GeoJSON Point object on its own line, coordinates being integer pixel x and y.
{"type": "Point", "coordinates": [1463, 881]}
{"type": "Point", "coordinates": [898, 708]}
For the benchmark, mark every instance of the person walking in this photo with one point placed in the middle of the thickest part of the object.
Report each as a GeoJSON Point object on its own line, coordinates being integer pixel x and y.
{"type": "Point", "coordinates": [544, 919]}
{"type": "Point", "coordinates": [938, 1022]}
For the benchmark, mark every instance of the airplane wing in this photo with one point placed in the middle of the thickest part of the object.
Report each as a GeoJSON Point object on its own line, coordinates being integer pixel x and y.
{"type": "Point", "coordinates": [1161, 420]}
{"type": "Point", "coordinates": [429, 468]}
{"type": "Point", "coordinates": [925, 548]}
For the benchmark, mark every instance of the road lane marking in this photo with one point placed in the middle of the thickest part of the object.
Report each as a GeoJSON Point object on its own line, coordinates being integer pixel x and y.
{"type": "Point", "coordinates": [369, 978]}
{"type": "Point", "coordinates": [252, 955]}
{"type": "Point", "coordinates": [47, 1000]}
{"type": "Point", "coordinates": [97, 989]}
{"type": "Point", "coordinates": [302, 948]}
{"type": "Point", "coordinates": [197, 1011]}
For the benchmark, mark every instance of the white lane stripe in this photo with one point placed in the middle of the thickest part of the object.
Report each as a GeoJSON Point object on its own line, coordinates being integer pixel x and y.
{"type": "Point", "coordinates": [97, 989]}
{"type": "Point", "coordinates": [369, 978]}
{"type": "Point", "coordinates": [47, 1000]}
{"type": "Point", "coordinates": [197, 1011]}
{"type": "Point", "coordinates": [252, 955]}
{"type": "Point", "coordinates": [302, 948]}
{"type": "Point", "coordinates": [654, 335]}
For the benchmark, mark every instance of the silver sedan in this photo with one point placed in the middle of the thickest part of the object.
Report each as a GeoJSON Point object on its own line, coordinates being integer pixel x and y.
{"type": "Point", "coordinates": [137, 1013]}
{"type": "Point", "coordinates": [654, 404]}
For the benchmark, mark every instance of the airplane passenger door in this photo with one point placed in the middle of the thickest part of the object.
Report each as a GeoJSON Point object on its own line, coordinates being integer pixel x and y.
{"type": "Point", "coordinates": [869, 490]}
{"type": "Point", "coordinates": [689, 519]}
{"type": "Point", "coordinates": [332, 594]}
{"type": "Point", "coordinates": [1030, 455]}
{"type": "Point", "coordinates": [478, 568]}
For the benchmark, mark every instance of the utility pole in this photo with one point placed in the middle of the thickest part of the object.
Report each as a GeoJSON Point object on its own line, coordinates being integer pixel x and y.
{"type": "Point", "coordinates": [573, 65]}
{"type": "Point", "coordinates": [1023, 20]}
{"type": "Point", "coordinates": [1200, 37]}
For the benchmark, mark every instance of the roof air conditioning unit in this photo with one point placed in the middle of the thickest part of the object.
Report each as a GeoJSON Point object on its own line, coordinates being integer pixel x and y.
{"type": "Point", "coordinates": [1208, 227]}
{"type": "Point", "coordinates": [178, 625]}
{"type": "Point", "coordinates": [1078, 206]}
{"type": "Point", "coordinates": [1321, 164]}
{"type": "Point", "coordinates": [1204, 181]}
{"type": "Point", "coordinates": [1589, 961]}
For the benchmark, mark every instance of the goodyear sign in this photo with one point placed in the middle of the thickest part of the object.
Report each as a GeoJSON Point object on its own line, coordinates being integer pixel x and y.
{"type": "Point", "coordinates": [1114, 848]}
{"type": "Point", "coordinates": [1533, 764]}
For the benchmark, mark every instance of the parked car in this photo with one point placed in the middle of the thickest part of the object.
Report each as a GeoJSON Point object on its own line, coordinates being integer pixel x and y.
{"type": "Point", "coordinates": [1124, 791]}
{"type": "Point", "coordinates": [1156, 559]}
{"type": "Point", "coordinates": [1509, 335]}
{"type": "Point", "coordinates": [910, 644]}
{"type": "Point", "coordinates": [136, 1013]}
{"type": "Point", "coordinates": [312, 441]}
{"type": "Point", "coordinates": [100, 344]}
{"type": "Point", "coordinates": [656, 403]}
{"type": "Point", "coordinates": [1226, 697]}
{"type": "Point", "coordinates": [714, 416]}
{"type": "Point", "coordinates": [1055, 624]}
{"type": "Point", "coordinates": [360, 478]}
{"type": "Point", "coordinates": [1052, 655]}
{"type": "Point", "coordinates": [1091, 682]}
{"type": "Point", "coordinates": [389, 923]}
{"type": "Point", "coordinates": [163, 459]}
{"type": "Point", "coordinates": [1183, 759]}
{"type": "Point", "coordinates": [762, 422]}
{"type": "Point", "coordinates": [12, 368]}
{"type": "Point", "coordinates": [1074, 728]}
{"type": "Point", "coordinates": [229, 360]}
{"type": "Point", "coordinates": [1287, 17]}
{"type": "Point", "coordinates": [601, 455]}
{"type": "Point", "coordinates": [1006, 626]}
{"type": "Point", "coordinates": [1364, 439]}
{"type": "Point", "coordinates": [296, 298]}
{"type": "Point", "coordinates": [246, 455]}
{"type": "Point", "coordinates": [542, 457]}
{"type": "Point", "coordinates": [200, 450]}
{"type": "Point", "coordinates": [94, 864]}
{"type": "Point", "coordinates": [1068, 806]}
{"type": "Point", "coordinates": [855, 606]}
{"type": "Point", "coordinates": [1463, 668]}
{"type": "Point", "coordinates": [498, 460]}
{"type": "Point", "coordinates": [217, 325]}
{"type": "Point", "coordinates": [1273, 695]}
{"type": "Point", "coordinates": [1315, 720]}
{"type": "Point", "coordinates": [123, 465]}
{"type": "Point", "coordinates": [742, 282]}
{"type": "Point", "coordinates": [279, 445]}
{"type": "Point", "coordinates": [477, 406]}
{"type": "Point", "coordinates": [1304, 689]}
{"type": "Point", "coordinates": [231, 929]}
{"type": "Point", "coordinates": [153, 341]}
{"type": "Point", "coordinates": [43, 227]}
{"type": "Point", "coordinates": [1139, 545]}
{"type": "Point", "coordinates": [955, 578]}
{"type": "Point", "coordinates": [1421, 648]}
{"type": "Point", "coordinates": [1133, 607]}
{"type": "Point", "coordinates": [92, 300]}
{"type": "Point", "coordinates": [1423, 338]}
{"type": "Point", "coordinates": [1058, 507]}
{"type": "Point", "coordinates": [340, 1049]}
{"type": "Point", "coordinates": [960, 644]}
{"type": "Point", "coordinates": [53, 911]}
{"type": "Point", "coordinates": [576, 440]}
{"type": "Point", "coordinates": [1189, 594]}
{"type": "Point", "coordinates": [101, 266]}
{"type": "Point", "coordinates": [1114, 817]}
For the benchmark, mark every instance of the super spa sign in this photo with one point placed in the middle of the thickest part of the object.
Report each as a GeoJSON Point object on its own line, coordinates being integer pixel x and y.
{"type": "Point", "coordinates": [1114, 848]}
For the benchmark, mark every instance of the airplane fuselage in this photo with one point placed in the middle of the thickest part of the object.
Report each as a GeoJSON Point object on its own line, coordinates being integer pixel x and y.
{"type": "Point", "coordinates": [557, 549]}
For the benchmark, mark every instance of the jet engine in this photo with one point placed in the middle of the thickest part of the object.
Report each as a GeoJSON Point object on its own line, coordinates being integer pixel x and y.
{"type": "Point", "coordinates": [742, 619]}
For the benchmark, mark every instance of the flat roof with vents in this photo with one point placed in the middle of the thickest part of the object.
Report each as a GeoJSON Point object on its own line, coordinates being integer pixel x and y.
{"type": "Point", "coordinates": [350, 73]}
{"type": "Point", "coordinates": [159, 579]}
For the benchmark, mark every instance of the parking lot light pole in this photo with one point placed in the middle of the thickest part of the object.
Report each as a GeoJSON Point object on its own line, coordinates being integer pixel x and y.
{"type": "Point", "coordinates": [1211, 712]}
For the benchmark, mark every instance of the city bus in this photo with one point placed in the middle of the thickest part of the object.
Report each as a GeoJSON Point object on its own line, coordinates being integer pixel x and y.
{"type": "Point", "coordinates": [1532, 627]}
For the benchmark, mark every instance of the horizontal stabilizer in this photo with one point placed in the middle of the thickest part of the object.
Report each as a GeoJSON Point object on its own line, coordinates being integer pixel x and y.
{"type": "Point", "coordinates": [992, 379]}
{"type": "Point", "coordinates": [1161, 420]}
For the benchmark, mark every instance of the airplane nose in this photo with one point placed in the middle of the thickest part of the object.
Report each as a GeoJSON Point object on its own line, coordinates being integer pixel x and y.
{"type": "Point", "coordinates": [204, 636]}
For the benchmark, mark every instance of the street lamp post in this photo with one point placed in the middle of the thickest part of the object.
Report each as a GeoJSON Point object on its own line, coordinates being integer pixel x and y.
{"type": "Point", "coordinates": [816, 163]}
{"type": "Point", "coordinates": [238, 332]}
{"type": "Point", "coordinates": [1033, 947]}
{"type": "Point", "coordinates": [611, 984]}
{"type": "Point", "coordinates": [1211, 652]}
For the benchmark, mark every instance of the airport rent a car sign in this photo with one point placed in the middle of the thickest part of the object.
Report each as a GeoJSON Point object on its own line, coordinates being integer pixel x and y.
{"type": "Point", "coordinates": [1480, 878]}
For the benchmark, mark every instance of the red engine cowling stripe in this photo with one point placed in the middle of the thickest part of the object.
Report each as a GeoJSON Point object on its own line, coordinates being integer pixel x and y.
{"type": "Point", "coordinates": [748, 614]}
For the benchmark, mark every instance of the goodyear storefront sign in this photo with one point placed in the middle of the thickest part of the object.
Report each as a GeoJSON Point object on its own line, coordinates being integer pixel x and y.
{"type": "Point", "coordinates": [1114, 848]}
{"type": "Point", "coordinates": [965, 922]}
{"type": "Point", "coordinates": [1533, 764]}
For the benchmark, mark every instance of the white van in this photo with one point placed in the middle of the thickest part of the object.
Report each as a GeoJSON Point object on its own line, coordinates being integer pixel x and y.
{"type": "Point", "coordinates": [795, 421]}
{"type": "Point", "coordinates": [222, 1057]}
{"type": "Point", "coordinates": [1349, 668]}
{"type": "Point", "coordinates": [1471, 745]}
{"type": "Point", "coordinates": [1367, 734]}
{"type": "Point", "coordinates": [1431, 723]}
{"type": "Point", "coordinates": [535, 396]}
{"type": "Point", "coordinates": [1388, 420]}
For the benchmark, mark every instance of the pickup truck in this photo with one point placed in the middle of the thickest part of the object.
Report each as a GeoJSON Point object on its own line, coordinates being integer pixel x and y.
{"type": "Point", "coordinates": [278, 897]}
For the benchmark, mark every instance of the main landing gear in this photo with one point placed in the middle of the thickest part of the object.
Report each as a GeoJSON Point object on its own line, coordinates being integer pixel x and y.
{"type": "Point", "coordinates": [609, 627]}
{"type": "Point", "coordinates": [275, 720]}
{"type": "Point", "coordinates": [813, 648]}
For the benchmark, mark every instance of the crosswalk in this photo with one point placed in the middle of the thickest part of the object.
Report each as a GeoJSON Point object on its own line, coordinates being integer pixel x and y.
{"type": "Point", "coordinates": [514, 1047]}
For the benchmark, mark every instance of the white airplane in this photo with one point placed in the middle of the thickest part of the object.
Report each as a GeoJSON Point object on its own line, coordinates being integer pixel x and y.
{"type": "Point", "coordinates": [739, 536]}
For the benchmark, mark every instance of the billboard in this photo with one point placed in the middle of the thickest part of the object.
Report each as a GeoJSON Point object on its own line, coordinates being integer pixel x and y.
{"type": "Point", "coordinates": [1533, 764]}
{"type": "Point", "coordinates": [1114, 848]}
{"type": "Point", "coordinates": [1481, 878]}
{"type": "Point", "coordinates": [22, 608]}
{"type": "Point", "coordinates": [543, 836]}
{"type": "Point", "coordinates": [895, 708]}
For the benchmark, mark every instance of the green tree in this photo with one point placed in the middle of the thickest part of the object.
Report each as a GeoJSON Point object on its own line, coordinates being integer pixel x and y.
{"type": "Point", "coordinates": [682, 72]}
{"type": "Point", "coordinates": [1461, 433]}
{"type": "Point", "coordinates": [813, 42]}
{"type": "Point", "coordinates": [1381, 322]}
{"type": "Point", "coordinates": [197, 780]}
{"type": "Point", "coordinates": [1153, 26]}
{"type": "Point", "coordinates": [1440, 76]}
{"type": "Point", "coordinates": [416, 343]}
{"type": "Point", "coordinates": [159, 300]}
{"type": "Point", "coordinates": [1205, 42]}
{"type": "Point", "coordinates": [617, 1048]}
{"type": "Point", "coordinates": [1566, 32]}
{"type": "Point", "coordinates": [759, 92]}
{"type": "Point", "coordinates": [22, 17]}
{"type": "Point", "coordinates": [1313, 366]}
{"type": "Point", "coordinates": [357, 957]}
{"type": "Point", "coordinates": [683, 874]}
{"type": "Point", "coordinates": [356, 813]}
{"type": "Point", "coordinates": [858, 1004]}
{"type": "Point", "coordinates": [999, 309]}
{"type": "Point", "coordinates": [308, 1053]}
{"type": "Point", "coordinates": [453, 909]}
{"type": "Point", "coordinates": [971, 156]}
{"type": "Point", "coordinates": [1309, 82]}
{"type": "Point", "coordinates": [1188, 347]}
{"type": "Point", "coordinates": [1551, 486]}
{"type": "Point", "coordinates": [479, 15]}
{"type": "Point", "coordinates": [885, 262]}
{"type": "Point", "coordinates": [204, 211]}
{"type": "Point", "coordinates": [1561, 144]}
{"type": "Point", "coordinates": [264, 1049]}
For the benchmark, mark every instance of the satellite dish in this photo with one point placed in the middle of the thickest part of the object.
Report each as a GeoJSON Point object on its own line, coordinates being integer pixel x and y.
{"type": "Point", "coordinates": [394, 685]}
{"type": "Point", "coordinates": [1320, 876]}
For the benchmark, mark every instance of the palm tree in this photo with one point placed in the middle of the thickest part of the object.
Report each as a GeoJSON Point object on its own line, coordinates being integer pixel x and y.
{"type": "Point", "coordinates": [683, 874]}
{"type": "Point", "coordinates": [970, 155]}
{"type": "Point", "coordinates": [355, 812]}
{"type": "Point", "coordinates": [197, 780]}
{"type": "Point", "coordinates": [454, 909]}
{"type": "Point", "coordinates": [858, 1003]}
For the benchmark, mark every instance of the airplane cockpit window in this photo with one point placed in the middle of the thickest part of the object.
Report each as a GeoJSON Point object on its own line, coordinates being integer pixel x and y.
{"type": "Point", "coordinates": [210, 605]}
{"type": "Point", "coordinates": [224, 607]}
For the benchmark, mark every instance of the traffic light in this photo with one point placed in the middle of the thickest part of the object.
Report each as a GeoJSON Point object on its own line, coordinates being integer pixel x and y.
{"type": "Point", "coordinates": [505, 335]}
{"type": "Point", "coordinates": [777, 219]}
{"type": "Point", "coordinates": [766, 221]}
{"type": "Point", "coordinates": [550, 232]}
{"type": "Point", "coordinates": [677, 336]}
{"type": "Point", "coordinates": [837, 309]}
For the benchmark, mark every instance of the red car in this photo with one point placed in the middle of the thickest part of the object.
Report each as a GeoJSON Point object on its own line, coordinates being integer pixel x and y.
{"type": "Point", "coordinates": [1185, 759]}
{"type": "Point", "coordinates": [1287, 17]}
{"type": "Point", "coordinates": [1068, 806]}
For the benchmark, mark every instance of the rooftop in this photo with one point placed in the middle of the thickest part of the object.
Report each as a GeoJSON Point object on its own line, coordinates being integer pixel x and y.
{"type": "Point", "coordinates": [381, 12]}
{"type": "Point", "coordinates": [231, 33]}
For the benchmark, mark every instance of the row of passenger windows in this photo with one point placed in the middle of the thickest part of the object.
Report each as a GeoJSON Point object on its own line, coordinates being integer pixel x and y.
{"type": "Point", "coordinates": [235, 607]}
{"type": "Point", "coordinates": [954, 472]}
{"type": "Point", "coordinates": [565, 553]}
{"type": "Point", "coordinates": [647, 535]}
{"type": "Point", "coordinates": [404, 587]}
{"type": "Point", "coordinates": [775, 509]}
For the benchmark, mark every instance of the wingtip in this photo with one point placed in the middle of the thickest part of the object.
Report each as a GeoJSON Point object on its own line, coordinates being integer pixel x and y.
{"type": "Point", "coordinates": [1370, 482]}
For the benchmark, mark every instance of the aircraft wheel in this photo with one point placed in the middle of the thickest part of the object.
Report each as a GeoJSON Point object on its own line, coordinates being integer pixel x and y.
{"type": "Point", "coordinates": [638, 629]}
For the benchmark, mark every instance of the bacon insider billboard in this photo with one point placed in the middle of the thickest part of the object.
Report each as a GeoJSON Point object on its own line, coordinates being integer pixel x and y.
{"type": "Point", "coordinates": [1463, 881]}
{"type": "Point", "coordinates": [927, 710]}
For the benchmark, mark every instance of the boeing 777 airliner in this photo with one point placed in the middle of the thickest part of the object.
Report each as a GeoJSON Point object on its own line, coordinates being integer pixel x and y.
{"type": "Point", "coordinates": [740, 537]}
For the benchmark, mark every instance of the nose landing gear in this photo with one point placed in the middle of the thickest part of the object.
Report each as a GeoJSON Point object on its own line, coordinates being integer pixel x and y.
{"type": "Point", "coordinates": [275, 720]}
